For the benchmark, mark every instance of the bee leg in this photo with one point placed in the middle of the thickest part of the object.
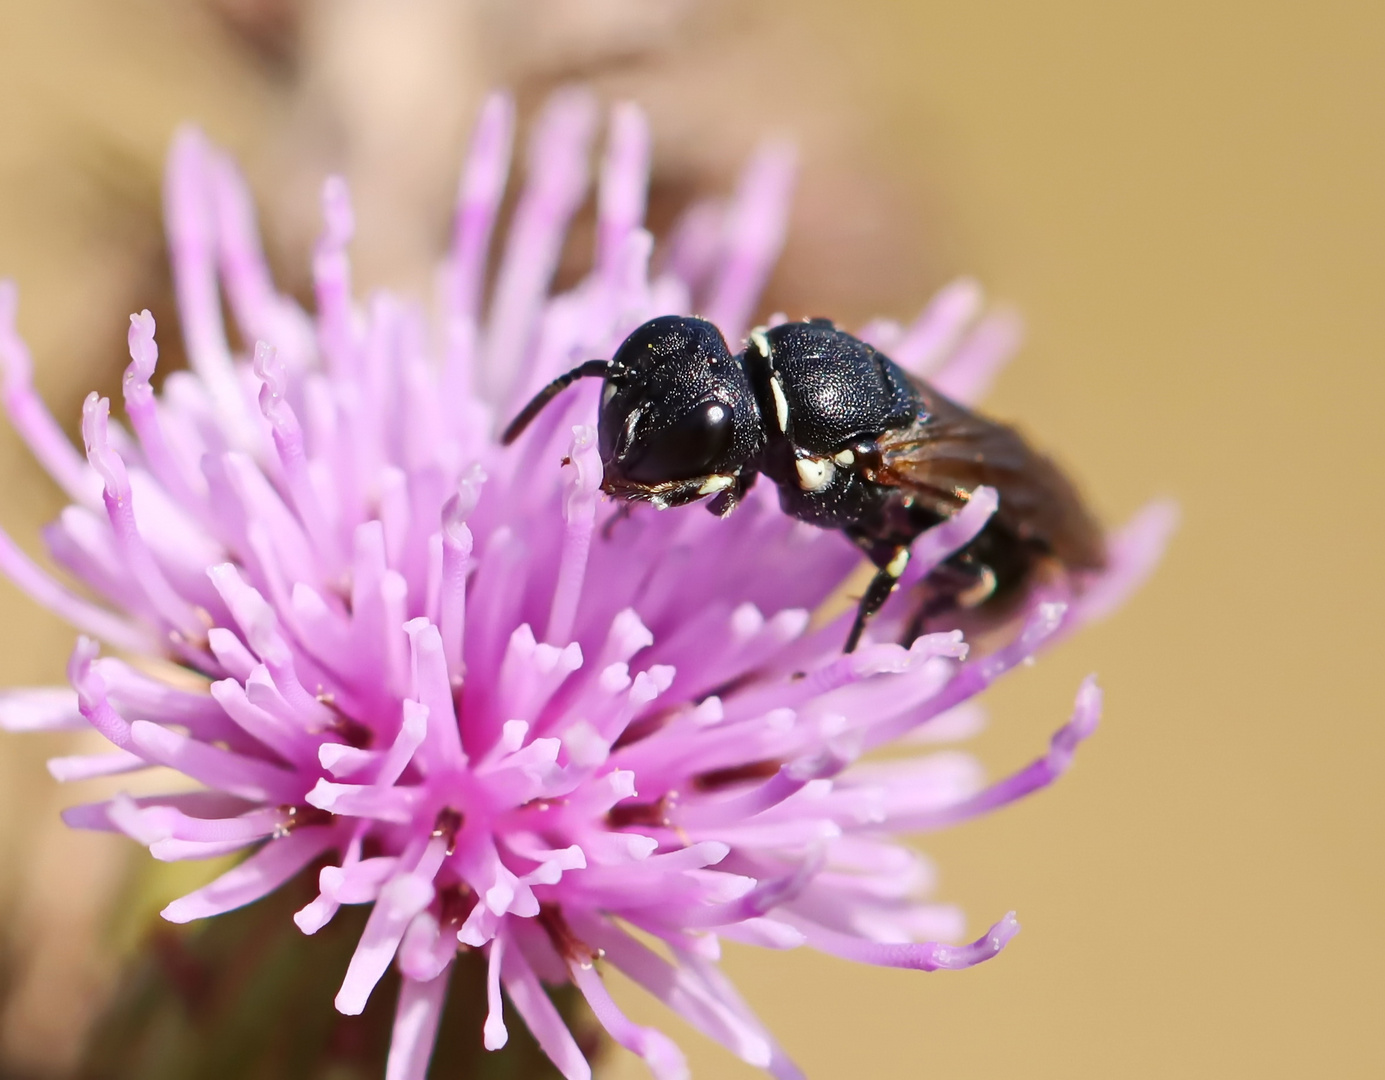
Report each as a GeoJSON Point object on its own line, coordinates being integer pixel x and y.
{"type": "Point", "coordinates": [877, 592]}
{"type": "Point", "coordinates": [955, 586]}
{"type": "Point", "coordinates": [723, 502]}
{"type": "Point", "coordinates": [623, 511]}
{"type": "Point", "coordinates": [935, 605]}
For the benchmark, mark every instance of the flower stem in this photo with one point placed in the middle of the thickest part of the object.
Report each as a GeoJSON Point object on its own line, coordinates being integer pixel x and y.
{"type": "Point", "coordinates": [247, 994]}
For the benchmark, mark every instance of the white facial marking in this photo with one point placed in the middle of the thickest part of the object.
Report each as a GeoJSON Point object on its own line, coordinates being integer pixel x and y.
{"type": "Point", "coordinates": [814, 473]}
{"type": "Point", "coordinates": [781, 403]}
{"type": "Point", "coordinates": [845, 457]}
{"type": "Point", "coordinates": [895, 567]}
{"type": "Point", "coordinates": [715, 483]}
{"type": "Point", "coordinates": [608, 393]}
{"type": "Point", "coordinates": [760, 340]}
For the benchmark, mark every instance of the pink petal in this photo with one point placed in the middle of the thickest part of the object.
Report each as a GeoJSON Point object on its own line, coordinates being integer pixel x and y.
{"type": "Point", "coordinates": [542, 1019]}
{"type": "Point", "coordinates": [262, 873]}
{"type": "Point", "coordinates": [664, 1059]}
{"type": "Point", "coordinates": [495, 1035]}
{"type": "Point", "coordinates": [415, 1027]}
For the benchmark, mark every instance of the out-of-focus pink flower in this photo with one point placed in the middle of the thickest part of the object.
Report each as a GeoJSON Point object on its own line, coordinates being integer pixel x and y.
{"type": "Point", "coordinates": [449, 675]}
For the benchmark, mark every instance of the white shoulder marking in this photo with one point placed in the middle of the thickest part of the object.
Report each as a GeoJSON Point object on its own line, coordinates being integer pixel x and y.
{"type": "Point", "coordinates": [781, 403]}
{"type": "Point", "coordinates": [844, 457]}
{"type": "Point", "coordinates": [760, 340]}
{"type": "Point", "coordinates": [814, 473]}
{"type": "Point", "coordinates": [631, 422]}
{"type": "Point", "coordinates": [716, 482]}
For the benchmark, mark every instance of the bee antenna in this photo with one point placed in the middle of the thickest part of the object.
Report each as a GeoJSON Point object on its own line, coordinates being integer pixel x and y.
{"type": "Point", "coordinates": [590, 370]}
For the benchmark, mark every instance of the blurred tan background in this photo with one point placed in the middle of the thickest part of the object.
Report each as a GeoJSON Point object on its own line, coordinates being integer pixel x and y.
{"type": "Point", "coordinates": [1187, 202]}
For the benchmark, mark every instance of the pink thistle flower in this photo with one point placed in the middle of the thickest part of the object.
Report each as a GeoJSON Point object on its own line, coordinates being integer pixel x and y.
{"type": "Point", "coordinates": [450, 676]}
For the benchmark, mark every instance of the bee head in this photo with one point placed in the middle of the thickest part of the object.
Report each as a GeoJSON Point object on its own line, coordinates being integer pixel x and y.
{"type": "Point", "coordinates": [678, 417]}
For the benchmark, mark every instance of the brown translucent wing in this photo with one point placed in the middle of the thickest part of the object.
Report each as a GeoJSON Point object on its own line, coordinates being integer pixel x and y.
{"type": "Point", "coordinates": [953, 451]}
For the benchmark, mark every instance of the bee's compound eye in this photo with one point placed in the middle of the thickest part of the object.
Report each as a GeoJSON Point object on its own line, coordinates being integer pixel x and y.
{"type": "Point", "coordinates": [690, 446]}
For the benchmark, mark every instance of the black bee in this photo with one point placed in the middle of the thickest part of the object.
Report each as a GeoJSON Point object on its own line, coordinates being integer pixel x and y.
{"type": "Point", "coordinates": [853, 443]}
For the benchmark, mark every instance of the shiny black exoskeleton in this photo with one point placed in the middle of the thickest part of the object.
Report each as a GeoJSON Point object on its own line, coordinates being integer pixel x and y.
{"type": "Point", "coordinates": [852, 441]}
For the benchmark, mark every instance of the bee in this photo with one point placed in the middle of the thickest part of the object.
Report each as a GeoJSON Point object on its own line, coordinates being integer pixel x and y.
{"type": "Point", "coordinates": [852, 441]}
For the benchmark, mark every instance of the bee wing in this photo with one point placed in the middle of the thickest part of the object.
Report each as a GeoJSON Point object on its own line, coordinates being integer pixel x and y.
{"type": "Point", "coordinates": [950, 451]}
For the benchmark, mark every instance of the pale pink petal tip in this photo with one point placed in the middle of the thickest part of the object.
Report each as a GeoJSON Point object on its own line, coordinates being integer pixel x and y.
{"type": "Point", "coordinates": [144, 352]}
{"type": "Point", "coordinates": [460, 685]}
{"type": "Point", "coordinates": [982, 949]}
{"type": "Point", "coordinates": [483, 179]}
{"type": "Point", "coordinates": [1135, 550]}
{"type": "Point", "coordinates": [933, 335]}
{"type": "Point", "coordinates": [756, 224]}
{"type": "Point", "coordinates": [968, 374]}
{"type": "Point", "coordinates": [45, 708]}
{"type": "Point", "coordinates": [337, 213]}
